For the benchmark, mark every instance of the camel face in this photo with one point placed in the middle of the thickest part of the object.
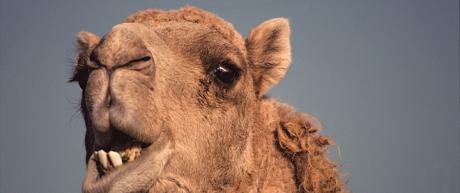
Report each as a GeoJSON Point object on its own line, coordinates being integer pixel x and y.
{"type": "Point", "coordinates": [179, 95]}
{"type": "Point", "coordinates": [143, 81]}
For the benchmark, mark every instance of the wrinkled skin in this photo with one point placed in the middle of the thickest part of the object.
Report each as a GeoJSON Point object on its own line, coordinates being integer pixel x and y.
{"type": "Point", "coordinates": [188, 87]}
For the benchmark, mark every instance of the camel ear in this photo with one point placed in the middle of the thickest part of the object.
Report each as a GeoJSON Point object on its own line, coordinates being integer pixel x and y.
{"type": "Point", "coordinates": [86, 42]}
{"type": "Point", "coordinates": [269, 52]}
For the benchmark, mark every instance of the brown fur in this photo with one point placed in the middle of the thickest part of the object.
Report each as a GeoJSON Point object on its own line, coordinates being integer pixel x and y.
{"type": "Point", "coordinates": [154, 79]}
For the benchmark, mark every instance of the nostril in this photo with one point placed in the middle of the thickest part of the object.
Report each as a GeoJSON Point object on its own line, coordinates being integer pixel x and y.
{"type": "Point", "coordinates": [143, 59]}
{"type": "Point", "coordinates": [138, 63]}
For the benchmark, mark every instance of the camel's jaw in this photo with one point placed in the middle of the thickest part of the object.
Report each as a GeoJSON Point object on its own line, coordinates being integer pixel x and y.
{"type": "Point", "coordinates": [153, 158]}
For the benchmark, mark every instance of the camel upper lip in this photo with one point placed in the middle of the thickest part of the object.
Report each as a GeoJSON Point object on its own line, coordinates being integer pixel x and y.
{"type": "Point", "coordinates": [120, 141]}
{"type": "Point", "coordinates": [118, 147]}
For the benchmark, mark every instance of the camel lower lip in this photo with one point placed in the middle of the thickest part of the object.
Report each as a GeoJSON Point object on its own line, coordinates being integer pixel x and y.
{"type": "Point", "coordinates": [99, 181]}
{"type": "Point", "coordinates": [158, 155]}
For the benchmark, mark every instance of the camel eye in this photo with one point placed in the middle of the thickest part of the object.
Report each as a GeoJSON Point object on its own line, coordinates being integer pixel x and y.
{"type": "Point", "coordinates": [226, 73]}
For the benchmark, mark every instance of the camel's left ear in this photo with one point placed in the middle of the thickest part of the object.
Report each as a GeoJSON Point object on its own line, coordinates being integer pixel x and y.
{"type": "Point", "coordinates": [269, 52]}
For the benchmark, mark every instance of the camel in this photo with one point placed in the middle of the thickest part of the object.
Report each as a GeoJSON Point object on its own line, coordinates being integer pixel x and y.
{"type": "Point", "coordinates": [175, 101]}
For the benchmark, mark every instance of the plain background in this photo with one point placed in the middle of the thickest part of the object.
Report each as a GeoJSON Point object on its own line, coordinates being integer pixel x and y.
{"type": "Point", "coordinates": [383, 76]}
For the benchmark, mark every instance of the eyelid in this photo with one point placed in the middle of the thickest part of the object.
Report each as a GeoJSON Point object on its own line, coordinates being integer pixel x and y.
{"type": "Point", "coordinates": [229, 63]}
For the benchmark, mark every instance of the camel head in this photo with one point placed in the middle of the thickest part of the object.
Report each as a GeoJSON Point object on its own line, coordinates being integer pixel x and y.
{"type": "Point", "coordinates": [185, 77]}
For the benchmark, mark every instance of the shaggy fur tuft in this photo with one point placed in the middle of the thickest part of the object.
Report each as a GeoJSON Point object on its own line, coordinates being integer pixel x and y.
{"type": "Point", "coordinates": [298, 137]}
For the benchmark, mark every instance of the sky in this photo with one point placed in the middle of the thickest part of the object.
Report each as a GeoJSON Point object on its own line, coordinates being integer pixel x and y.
{"type": "Point", "coordinates": [383, 77]}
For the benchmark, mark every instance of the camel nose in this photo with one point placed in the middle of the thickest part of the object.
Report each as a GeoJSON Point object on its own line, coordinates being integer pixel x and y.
{"type": "Point", "coordinates": [121, 46]}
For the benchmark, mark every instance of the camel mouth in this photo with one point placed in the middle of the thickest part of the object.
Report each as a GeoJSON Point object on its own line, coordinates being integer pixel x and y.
{"type": "Point", "coordinates": [121, 151]}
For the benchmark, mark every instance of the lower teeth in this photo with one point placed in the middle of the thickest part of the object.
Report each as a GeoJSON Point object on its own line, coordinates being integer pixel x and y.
{"type": "Point", "coordinates": [130, 154]}
{"type": "Point", "coordinates": [114, 159]}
